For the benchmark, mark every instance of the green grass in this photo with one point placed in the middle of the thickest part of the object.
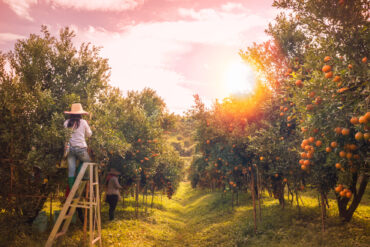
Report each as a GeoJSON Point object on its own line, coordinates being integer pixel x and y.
{"type": "Point", "coordinates": [203, 218]}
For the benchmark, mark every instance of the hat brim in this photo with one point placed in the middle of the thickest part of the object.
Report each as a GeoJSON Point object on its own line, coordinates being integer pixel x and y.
{"type": "Point", "coordinates": [77, 112]}
{"type": "Point", "coordinates": [114, 173]}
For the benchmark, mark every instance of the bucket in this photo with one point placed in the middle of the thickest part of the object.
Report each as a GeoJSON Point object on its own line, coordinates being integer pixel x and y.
{"type": "Point", "coordinates": [40, 223]}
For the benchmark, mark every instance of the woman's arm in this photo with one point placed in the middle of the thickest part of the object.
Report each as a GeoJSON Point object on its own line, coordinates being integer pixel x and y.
{"type": "Point", "coordinates": [88, 131]}
{"type": "Point", "coordinates": [116, 183]}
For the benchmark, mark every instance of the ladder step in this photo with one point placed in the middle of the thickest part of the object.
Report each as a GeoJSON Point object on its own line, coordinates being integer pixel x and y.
{"type": "Point", "coordinates": [59, 234]}
{"type": "Point", "coordinates": [95, 240]}
{"type": "Point", "coordinates": [95, 183]}
{"type": "Point", "coordinates": [68, 216]}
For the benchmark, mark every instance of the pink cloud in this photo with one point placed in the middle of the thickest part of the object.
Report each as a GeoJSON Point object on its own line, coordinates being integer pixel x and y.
{"type": "Point", "coordinates": [100, 5]}
{"type": "Point", "coordinates": [6, 37]}
{"type": "Point", "coordinates": [232, 6]}
{"type": "Point", "coordinates": [21, 7]}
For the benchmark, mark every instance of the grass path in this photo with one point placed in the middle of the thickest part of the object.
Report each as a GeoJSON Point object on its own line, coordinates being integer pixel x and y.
{"type": "Point", "coordinates": [200, 218]}
{"type": "Point", "coordinates": [195, 218]}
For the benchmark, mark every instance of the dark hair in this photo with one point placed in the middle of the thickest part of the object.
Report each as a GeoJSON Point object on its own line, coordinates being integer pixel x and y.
{"type": "Point", "coordinates": [74, 119]}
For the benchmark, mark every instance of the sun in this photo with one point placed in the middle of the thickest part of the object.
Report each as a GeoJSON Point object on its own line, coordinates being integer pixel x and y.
{"type": "Point", "coordinates": [239, 78]}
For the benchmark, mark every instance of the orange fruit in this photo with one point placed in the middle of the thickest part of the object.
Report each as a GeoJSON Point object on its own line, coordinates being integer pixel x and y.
{"type": "Point", "coordinates": [301, 162]}
{"type": "Point", "coordinates": [338, 130]}
{"type": "Point", "coordinates": [348, 194]}
{"type": "Point", "coordinates": [339, 188]}
{"type": "Point", "coordinates": [311, 139]}
{"type": "Point", "coordinates": [343, 89]}
{"type": "Point", "coordinates": [345, 131]}
{"type": "Point", "coordinates": [356, 156]}
{"type": "Point", "coordinates": [333, 144]}
{"type": "Point", "coordinates": [285, 180]}
{"type": "Point", "coordinates": [281, 114]}
{"type": "Point", "coordinates": [342, 193]}
{"type": "Point", "coordinates": [336, 78]}
{"type": "Point", "coordinates": [364, 60]}
{"type": "Point", "coordinates": [359, 136]}
{"type": "Point", "coordinates": [208, 141]}
{"type": "Point", "coordinates": [329, 74]}
{"type": "Point", "coordinates": [276, 175]}
{"type": "Point", "coordinates": [309, 107]}
{"type": "Point", "coordinates": [349, 155]}
{"type": "Point", "coordinates": [303, 167]}
{"type": "Point", "coordinates": [261, 158]}
{"type": "Point", "coordinates": [342, 154]}
{"type": "Point", "coordinates": [328, 149]}
{"type": "Point", "coordinates": [309, 155]}
{"type": "Point", "coordinates": [326, 68]}
{"type": "Point", "coordinates": [318, 143]}
{"type": "Point", "coordinates": [338, 165]}
{"type": "Point", "coordinates": [318, 100]}
{"type": "Point", "coordinates": [353, 147]}
{"type": "Point", "coordinates": [299, 83]}
{"type": "Point", "coordinates": [354, 120]}
{"type": "Point", "coordinates": [303, 155]}
{"type": "Point", "coordinates": [366, 136]}
{"type": "Point", "coordinates": [312, 94]}
{"type": "Point", "coordinates": [326, 59]}
{"type": "Point", "coordinates": [305, 142]}
{"type": "Point", "coordinates": [367, 116]}
{"type": "Point", "coordinates": [306, 162]}
{"type": "Point", "coordinates": [350, 66]}
{"type": "Point", "coordinates": [362, 120]}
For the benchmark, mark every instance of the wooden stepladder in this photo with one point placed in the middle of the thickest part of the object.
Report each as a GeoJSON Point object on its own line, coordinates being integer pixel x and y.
{"type": "Point", "coordinates": [74, 201]}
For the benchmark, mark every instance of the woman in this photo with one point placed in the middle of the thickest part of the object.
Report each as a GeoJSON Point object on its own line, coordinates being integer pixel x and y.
{"type": "Point", "coordinates": [78, 147]}
{"type": "Point", "coordinates": [112, 191]}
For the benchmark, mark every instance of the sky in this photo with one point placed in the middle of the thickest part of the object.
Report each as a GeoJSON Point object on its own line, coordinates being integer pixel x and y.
{"type": "Point", "coordinates": [177, 47]}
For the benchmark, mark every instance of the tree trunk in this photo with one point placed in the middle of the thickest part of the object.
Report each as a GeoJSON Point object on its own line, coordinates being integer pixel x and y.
{"type": "Point", "coordinates": [137, 198]}
{"type": "Point", "coordinates": [323, 211]}
{"type": "Point", "coordinates": [345, 213]}
{"type": "Point", "coordinates": [253, 191]}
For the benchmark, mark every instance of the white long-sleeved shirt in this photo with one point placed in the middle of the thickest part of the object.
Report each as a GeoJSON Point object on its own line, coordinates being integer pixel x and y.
{"type": "Point", "coordinates": [78, 135]}
{"type": "Point", "coordinates": [113, 186]}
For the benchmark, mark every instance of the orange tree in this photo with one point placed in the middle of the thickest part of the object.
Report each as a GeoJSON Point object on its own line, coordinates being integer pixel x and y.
{"type": "Point", "coordinates": [45, 76]}
{"type": "Point", "coordinates": [138, 120]}
{"type": "Point", "coordinates": [329, 85]}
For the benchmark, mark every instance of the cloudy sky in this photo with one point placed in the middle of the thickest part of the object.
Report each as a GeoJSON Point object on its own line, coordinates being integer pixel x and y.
{"type": "Point", "coordinates": [177, 47]}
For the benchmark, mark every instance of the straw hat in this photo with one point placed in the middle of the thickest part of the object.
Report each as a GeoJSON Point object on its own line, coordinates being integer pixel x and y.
{"type": "Point", "coordinates": [76, 109]}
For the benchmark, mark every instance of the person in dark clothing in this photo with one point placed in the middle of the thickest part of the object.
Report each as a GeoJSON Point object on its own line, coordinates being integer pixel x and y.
{"type": "Point", "coordinates": [112, 191]}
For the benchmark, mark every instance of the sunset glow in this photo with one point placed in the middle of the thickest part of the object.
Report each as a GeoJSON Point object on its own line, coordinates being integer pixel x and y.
{"type": "Point", "coordinates": [239, 78]}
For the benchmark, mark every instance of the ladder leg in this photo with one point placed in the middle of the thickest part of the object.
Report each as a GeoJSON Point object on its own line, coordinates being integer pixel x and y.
{"type": "Point", "coordinates": [91, 235]}
{"type": "Point", "coordinates": [67, 205]}
{"type": "Point", "coordinates": [73, 202]}
{"type": "Point", "coordinates": [98, 205]}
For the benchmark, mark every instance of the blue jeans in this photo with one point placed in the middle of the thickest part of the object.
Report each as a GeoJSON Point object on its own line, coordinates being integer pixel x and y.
{"type": "Point", "coordinates": [76, 153]}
